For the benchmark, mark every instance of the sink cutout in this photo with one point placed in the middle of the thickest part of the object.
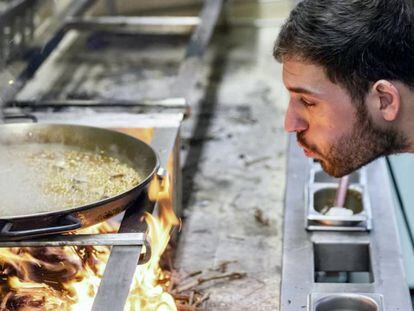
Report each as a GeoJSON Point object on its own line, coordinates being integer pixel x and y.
{"type": "Point", "coordinates": [342, 263]}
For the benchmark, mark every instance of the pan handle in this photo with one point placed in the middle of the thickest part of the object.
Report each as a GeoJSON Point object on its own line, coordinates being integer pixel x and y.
{"type": "Point", "coordinates": [70, 223]}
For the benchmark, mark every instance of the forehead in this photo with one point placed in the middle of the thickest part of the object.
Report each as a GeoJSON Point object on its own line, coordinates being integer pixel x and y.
{"type": "Point", "coordinates": [301, 75]}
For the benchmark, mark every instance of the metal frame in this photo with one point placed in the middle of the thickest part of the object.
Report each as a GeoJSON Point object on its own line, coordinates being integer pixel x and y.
{"type": "Point", "coordinates": [187, 77]}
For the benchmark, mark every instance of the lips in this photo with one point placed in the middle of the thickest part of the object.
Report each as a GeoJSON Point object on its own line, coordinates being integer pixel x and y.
{"type": "Point", "coordinates": [307, 152]}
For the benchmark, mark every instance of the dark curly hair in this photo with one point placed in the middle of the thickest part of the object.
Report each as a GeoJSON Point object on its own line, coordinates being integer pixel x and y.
{"type": "Point", "coordinates": [358, 42]}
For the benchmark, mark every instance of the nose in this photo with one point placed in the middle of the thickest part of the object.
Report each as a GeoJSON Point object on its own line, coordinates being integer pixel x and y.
{"type": "Point", "coordinates": [294, 122]}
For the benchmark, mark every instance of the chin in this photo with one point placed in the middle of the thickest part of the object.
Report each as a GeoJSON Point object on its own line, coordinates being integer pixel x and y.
{"type": "Point", "coordinates": [341, 169]}
{"type": "Point", "coordinates": [338, 171]}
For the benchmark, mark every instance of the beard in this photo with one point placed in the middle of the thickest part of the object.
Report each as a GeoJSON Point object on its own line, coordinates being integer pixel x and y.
{"type": "Point", "coordinates": [365, 143]}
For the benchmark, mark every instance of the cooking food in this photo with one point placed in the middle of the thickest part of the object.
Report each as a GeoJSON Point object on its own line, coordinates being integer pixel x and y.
{"type": "Point", "coordinates": [58, 175]}
{"type": "Point", "coordinates": [57, 178]}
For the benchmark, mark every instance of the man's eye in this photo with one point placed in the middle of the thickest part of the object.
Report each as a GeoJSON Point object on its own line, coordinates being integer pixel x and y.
{"type": "Point", "coordinates": [307, 103]}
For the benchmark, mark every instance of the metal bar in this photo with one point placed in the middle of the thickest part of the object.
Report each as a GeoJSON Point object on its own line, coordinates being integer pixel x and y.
{"type": "Point", "coordinates": [120, 269]}
{"type": "Point", "coordinates": [136, 24]}
{"type": "Point", "coordinates": [91, 22]}
{"type": "Point", "coordinates": [109, 239]}
{"type": "Point", "coordinates": [178, 103]}
{"type": "Point", "coordinates": [187, 75]}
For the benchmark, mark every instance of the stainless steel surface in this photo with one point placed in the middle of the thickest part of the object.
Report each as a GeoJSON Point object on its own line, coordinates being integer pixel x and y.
{"type": "Point", "coordinates": [345, 302]}
{"type": "Point", "coordinates": [298, 269]}
{"type": "Point", "coordinates": [182, 88]}
{"type": "Point", "coordinates": [341, 192]}
{"type": "Point", "coordinates": [108, 239]}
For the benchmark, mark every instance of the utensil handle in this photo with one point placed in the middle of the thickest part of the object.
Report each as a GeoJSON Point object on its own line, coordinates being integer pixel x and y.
{"type": "Point", "coordinates": [72, 223]}
{"type": "Point", "coordinates": [341, 193]}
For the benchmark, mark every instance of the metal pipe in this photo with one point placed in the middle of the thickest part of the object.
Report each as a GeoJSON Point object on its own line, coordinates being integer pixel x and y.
{"type": "Point", "coordinates": [88, 22]}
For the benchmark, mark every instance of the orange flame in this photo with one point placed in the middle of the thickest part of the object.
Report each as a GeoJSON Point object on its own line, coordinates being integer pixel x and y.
{"type": "Point", "coordinates": [149, 287]}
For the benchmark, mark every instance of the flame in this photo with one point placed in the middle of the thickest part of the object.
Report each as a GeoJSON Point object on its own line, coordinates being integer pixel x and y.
{"type": "Point", "coordinates": [150, 282]}
{"type": "Point", "coordinates": [67, 278]}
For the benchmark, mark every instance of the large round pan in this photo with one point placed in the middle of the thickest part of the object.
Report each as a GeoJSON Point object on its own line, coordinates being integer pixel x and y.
{"type": "Point", "coordinates": [34, 222]}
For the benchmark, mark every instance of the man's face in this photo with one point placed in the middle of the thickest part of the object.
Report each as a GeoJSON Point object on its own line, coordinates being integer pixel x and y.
{"type": "Point", "coordinates": [329, 126]}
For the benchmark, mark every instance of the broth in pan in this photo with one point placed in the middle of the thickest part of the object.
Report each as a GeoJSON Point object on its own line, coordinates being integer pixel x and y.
{"type": "Point", "coordinates": [39, 178]}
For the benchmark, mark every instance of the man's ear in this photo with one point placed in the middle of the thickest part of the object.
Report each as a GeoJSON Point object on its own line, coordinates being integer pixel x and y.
{"type": "Point", "coordinates": [388, 99]}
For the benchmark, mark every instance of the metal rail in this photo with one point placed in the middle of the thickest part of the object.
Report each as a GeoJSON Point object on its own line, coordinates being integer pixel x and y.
{"type": "Point", "coordinates": [136, 24]}
{"type": "Point", "coordinates": [105, 239]}
{"type": "Point", "coordinates": [173, 103]}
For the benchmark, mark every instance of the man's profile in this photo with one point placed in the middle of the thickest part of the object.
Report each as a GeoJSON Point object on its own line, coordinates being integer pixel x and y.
{"type": "Point", "coordinates": [349, 69]}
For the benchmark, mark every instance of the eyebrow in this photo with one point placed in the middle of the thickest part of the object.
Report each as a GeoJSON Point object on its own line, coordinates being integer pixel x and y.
{"type": "Point", "coordinates": [301, 90]}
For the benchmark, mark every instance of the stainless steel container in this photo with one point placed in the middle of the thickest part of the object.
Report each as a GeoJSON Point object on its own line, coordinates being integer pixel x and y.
{"type": "Point", "coordinates": [345, 302]}
{"type": "Point", "coordinates": [321, 196]}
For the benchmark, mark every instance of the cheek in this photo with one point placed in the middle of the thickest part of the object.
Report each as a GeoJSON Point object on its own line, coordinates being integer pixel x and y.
{"type": "Point", "coordinates": [326, 129]}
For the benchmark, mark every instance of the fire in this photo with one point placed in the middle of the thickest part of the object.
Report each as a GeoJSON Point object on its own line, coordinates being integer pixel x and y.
{"type": "Point", "coordinates": [150, 282]}
{"type": "Point", "coordinates": [68, 278]}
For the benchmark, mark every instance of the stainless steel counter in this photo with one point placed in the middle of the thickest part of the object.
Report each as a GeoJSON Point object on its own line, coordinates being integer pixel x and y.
{"type": "Point", "coordinates": [376, 252]}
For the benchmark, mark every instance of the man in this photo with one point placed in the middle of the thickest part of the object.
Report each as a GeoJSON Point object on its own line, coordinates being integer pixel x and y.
{"type": "Point", "coordinates": [349, 68]}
